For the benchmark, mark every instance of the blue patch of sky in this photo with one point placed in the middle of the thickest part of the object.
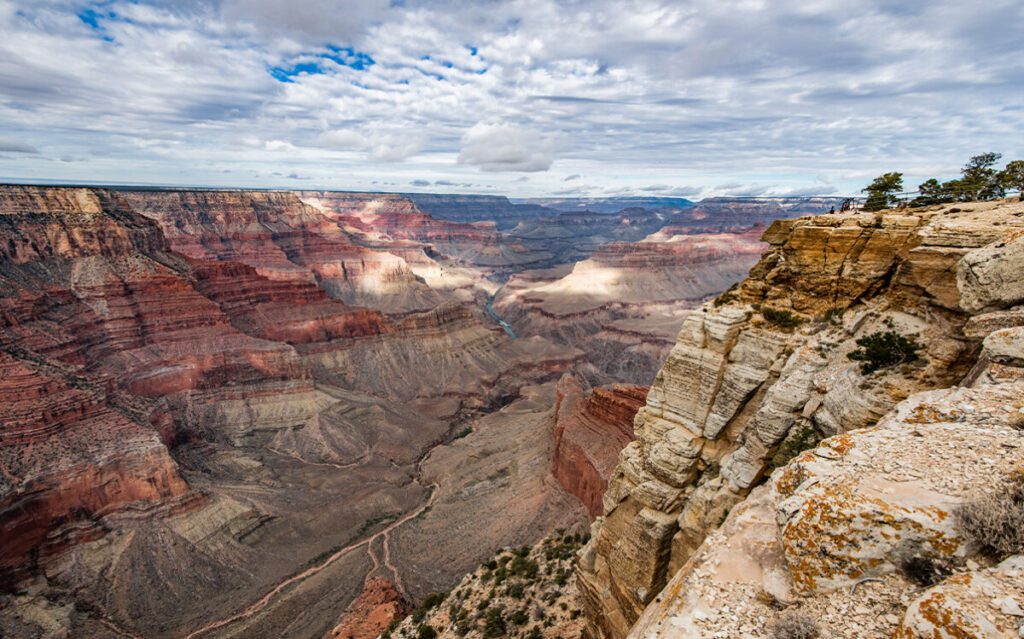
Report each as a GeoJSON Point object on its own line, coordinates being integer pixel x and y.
{"type": "Point", "coordinates": [343, 56]}
{"type": "Point", "coordinates": [93, 19]}
{"type": "Point", "coordinates": [472, 50]}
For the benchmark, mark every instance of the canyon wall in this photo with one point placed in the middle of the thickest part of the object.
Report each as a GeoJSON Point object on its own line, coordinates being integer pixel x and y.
{"type": "Point", "coordinates": [762, 373]}
{"type": "Point", "coordinates": [189, 375]}
{"type": "Point", "coordinates": [591, 427]}
{"type": "Point", "coordinates": [624, 305]}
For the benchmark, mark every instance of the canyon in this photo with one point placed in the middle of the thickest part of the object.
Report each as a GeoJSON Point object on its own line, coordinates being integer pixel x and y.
{"type": "Point", "coordinates": [306, 414]}
{"type": "Point", "coordinates": [787, 476]}
{"type": "Point", "coordinates": [224, 408]}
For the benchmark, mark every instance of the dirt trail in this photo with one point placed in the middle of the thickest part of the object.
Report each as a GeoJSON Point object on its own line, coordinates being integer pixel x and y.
{"type": "Point", "coordinates": [309, 572]}
{"type": "Point", "coordinates": [394, 570]}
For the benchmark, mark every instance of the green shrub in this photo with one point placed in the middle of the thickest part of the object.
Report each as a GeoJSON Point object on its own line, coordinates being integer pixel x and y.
{"type": "Point", "coordinates": [880, 350]}
{"type": "Point", "coordinates": [796, 442]}
{"type": "Point", "coordinates": [924, 570]}
{"type": "Point", "coordinates": [519, 617]}
{"type": "Point", "coordinates": [494, 624]}
{"type": "Point", "coordinates": [425, 631]}
{"type": "Point", "coordinates": [781, 318]}
{"type": "Point", "coordinates": [434, 600]}
{"type": "Point", "coordinates": [523, 567]}
{"type": "Point", "coordinates": [724, 299]}
{"type": "Point", "coordinates": [534, 633]}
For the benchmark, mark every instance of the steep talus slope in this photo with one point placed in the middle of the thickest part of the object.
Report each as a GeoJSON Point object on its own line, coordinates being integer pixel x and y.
{"type": "Point", "coordinates": [747, 384]}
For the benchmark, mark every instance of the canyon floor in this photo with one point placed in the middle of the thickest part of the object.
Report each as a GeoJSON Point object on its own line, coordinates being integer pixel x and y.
{"type": "Point", "coordinates": [229, 411]}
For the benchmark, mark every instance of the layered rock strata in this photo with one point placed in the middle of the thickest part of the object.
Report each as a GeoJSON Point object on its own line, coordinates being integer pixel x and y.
{"type": "Point", "coordinates": [591, 427]}
{"type": "Point", "coordinates": [187, 386]}
{"type": "Point", "coordinates": [624, 305]}
{"type": "Point", "coordinates": [763, 372]}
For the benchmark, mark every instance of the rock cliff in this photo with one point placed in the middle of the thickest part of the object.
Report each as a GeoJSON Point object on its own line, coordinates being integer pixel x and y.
{"type": "Point", "coordinates": [761, 374]}
{"type": "Point", "coordinates": [591, 427]}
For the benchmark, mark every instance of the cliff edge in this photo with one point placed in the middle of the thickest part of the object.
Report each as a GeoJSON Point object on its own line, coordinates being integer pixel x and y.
{"type": "Point", "coordinates": [866, 462]}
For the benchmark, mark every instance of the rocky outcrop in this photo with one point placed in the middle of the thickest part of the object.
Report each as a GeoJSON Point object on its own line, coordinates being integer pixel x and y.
{"type": "Point", "coordinates": [830, 534]}
{"type": "Point", "coordinates": [591, 427]}
{"type": "Point", "coordinates": [373, 611]}
{"type": "Point", "coordinates": [529, 591]}
{"type": "Point", "coordinates": [984, 603]}
{"type": "Point", "coordinates": [763, 372]}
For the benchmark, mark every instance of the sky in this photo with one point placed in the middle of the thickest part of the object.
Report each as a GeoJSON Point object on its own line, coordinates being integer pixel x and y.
{"type": "Point", "coordinates": [525, 98]}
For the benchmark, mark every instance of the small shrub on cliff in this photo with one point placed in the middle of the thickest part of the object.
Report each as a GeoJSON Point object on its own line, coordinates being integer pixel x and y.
{"type": "Point", "coordinates": [797, 441]}
{"type": "Point", "coordinates": [726, 297]}
{"type": "Point", "coordinates": [921, 567]}
{"type": "Point", "coordinates": [794, 625]}
{"type": "Point", "coordinates": [519, 617]}
{"type": "Point", "coordinates": [781, 318]}
{"type": "Point", "coordinates": [425, 631]}
{"type": "Point", "coordinates": [522, 567]}
{"type": "Point", "coordinates": [534, 633]}
{"type": "Point", "coordinates": [494, 624]}
{"type": "Point", "coordinates": [924, 570]}
{"type": "Point", "coordinates": [881, 350]}
{"type": "Point", "coordinates": [994, 520]}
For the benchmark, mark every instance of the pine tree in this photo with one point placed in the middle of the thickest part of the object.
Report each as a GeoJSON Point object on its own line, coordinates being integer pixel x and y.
{"type": "Point", "coordinates": [882, 192]}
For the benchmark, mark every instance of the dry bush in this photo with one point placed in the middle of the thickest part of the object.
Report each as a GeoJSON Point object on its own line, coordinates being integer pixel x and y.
{"type": "Point", "coordinates": [994, 520]}
{"type": "Point", "coordinates": [795, 625]}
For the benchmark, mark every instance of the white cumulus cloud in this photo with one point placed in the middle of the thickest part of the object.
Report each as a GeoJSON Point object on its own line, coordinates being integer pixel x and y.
{"type": "Point", "coordinates": [505, 147]}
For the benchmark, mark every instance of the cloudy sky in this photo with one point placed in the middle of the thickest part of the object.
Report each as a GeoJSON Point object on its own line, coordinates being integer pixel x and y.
{"type": "Point", "coordinates": [527, 98]}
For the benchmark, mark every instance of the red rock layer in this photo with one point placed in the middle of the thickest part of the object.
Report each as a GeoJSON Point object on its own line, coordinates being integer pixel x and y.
{"type": "Point", "coordinates": [395, 217]}
{"type": "Point", "coordinates": [372, 612]}
{"type": "Point", "coordinates": [94, 305]}
{"type": "Point", "coordinates": [293, 312]}
{"type": "Point", "coordinates": [68, 453]}
{"type": "Point", "coordinates": [275, 232]}
{"type": "Point", "coordinates": [590, 430]}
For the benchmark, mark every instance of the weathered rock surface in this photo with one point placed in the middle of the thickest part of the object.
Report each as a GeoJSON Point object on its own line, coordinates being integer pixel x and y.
{"type": "Point", "coordinates": [987, 604]}
{"type": "Point", "coordinates": [372, 612]}
{"type": "Point", "coordinates": [591, 427]}
{"type": "Point", "coordinates": [827, 535]}
{"type": "Point", "coordinates": [741, 391]}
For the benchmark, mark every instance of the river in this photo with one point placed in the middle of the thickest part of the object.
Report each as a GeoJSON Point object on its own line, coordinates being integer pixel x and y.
{"type": "Point", "coordinates": [490, 311]}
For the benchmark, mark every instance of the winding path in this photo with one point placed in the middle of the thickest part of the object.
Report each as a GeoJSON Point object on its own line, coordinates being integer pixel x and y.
{"type": "Point", "coordinates": [309, 572]}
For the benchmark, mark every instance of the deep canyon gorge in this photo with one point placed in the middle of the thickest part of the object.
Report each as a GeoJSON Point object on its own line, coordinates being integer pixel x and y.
{"type": "Point", "coordinates": [225, 412]}
{"type": "Point", "coordinates": [309, 414]}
